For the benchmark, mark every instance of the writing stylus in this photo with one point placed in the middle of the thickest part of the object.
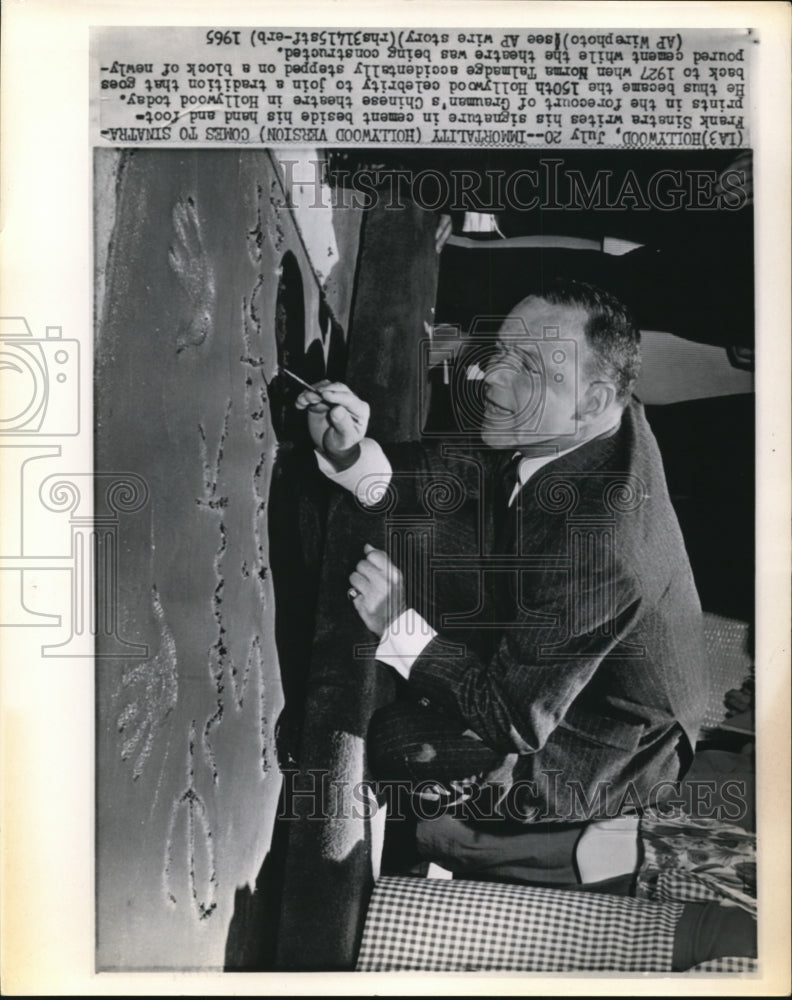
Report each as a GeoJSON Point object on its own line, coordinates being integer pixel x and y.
{"type": "Point", "coordinates": [297, 379]}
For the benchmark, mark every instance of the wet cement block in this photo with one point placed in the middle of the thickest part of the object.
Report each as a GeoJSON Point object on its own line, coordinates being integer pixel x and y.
{"type": "Point", "coordinates": [186, 780]}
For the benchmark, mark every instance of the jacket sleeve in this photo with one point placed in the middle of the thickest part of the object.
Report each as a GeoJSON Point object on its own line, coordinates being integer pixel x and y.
{"type": "Point", "coordinates": [426, 474]}
{"type": "Point", "coordinates": [516, 700]}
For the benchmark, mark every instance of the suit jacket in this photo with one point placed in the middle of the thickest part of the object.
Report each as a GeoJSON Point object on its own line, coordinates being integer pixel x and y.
{"type": "Point", "coordinates": [571, 636]}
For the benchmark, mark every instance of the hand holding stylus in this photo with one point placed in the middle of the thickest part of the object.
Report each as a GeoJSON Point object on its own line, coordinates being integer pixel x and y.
{"type": "Point", "coordinates": [337, 420]}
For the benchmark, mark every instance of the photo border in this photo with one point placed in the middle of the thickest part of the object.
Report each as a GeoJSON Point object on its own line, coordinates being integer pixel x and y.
{"type": "Point", "coordinates": [46, 194]}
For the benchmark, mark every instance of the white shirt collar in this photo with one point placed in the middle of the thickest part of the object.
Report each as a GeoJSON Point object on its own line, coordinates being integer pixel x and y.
{"type": "Point", "coordinates": [530, 465]}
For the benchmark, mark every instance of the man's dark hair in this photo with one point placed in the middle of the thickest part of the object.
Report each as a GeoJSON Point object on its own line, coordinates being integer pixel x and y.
{"type": "Point", "coordinates": [610, 331]}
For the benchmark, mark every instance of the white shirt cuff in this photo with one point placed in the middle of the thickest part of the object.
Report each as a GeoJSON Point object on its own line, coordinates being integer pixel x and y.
{"type": "Point", "coordinates": [368, 478]}
{"type": "Point", "coordinates": [403, 641]}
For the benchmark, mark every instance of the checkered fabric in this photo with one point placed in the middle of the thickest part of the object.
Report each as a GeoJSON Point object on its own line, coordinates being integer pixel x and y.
{"type": "Point", "coordinates": [464, 926]}
{"type": "Point", "coordinates": [727, 965]}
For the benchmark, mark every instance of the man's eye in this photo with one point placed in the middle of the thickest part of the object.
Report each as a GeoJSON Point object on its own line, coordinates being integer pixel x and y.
{"type": "Point", "coordinates": [531, 367]}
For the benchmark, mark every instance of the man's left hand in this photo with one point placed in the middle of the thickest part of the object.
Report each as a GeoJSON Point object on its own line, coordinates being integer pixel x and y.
{"type": "Point", "coordinates": [380, 590]}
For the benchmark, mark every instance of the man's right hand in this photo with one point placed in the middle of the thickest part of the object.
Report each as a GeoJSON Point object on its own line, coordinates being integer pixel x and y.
{"type": "Point", "coordinates": [337, 421]}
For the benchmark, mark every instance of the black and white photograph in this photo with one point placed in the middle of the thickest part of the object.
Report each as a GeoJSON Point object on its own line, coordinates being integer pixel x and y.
{"type": "Point", "coordinates": [418, 565]}
{"type": "Point", "coordinates": [431, 570]}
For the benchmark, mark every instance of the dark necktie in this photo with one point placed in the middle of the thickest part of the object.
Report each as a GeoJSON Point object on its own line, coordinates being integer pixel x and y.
{"type": "Point", "coordinates": [500, 581]}
{"type": "Point", "coordinates": [503, 515]}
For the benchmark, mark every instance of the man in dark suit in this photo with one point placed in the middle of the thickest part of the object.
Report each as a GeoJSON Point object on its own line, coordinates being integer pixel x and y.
{"type": "Point", "coordinates": [576, 684]}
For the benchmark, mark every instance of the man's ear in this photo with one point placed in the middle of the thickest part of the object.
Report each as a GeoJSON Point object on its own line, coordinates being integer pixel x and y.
{"type": "Point", "coordinates": [598, 398]}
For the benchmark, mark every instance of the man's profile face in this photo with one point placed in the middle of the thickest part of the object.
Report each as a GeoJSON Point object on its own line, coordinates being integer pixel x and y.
{"type": "Point", "coordinates": [533, 382]}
